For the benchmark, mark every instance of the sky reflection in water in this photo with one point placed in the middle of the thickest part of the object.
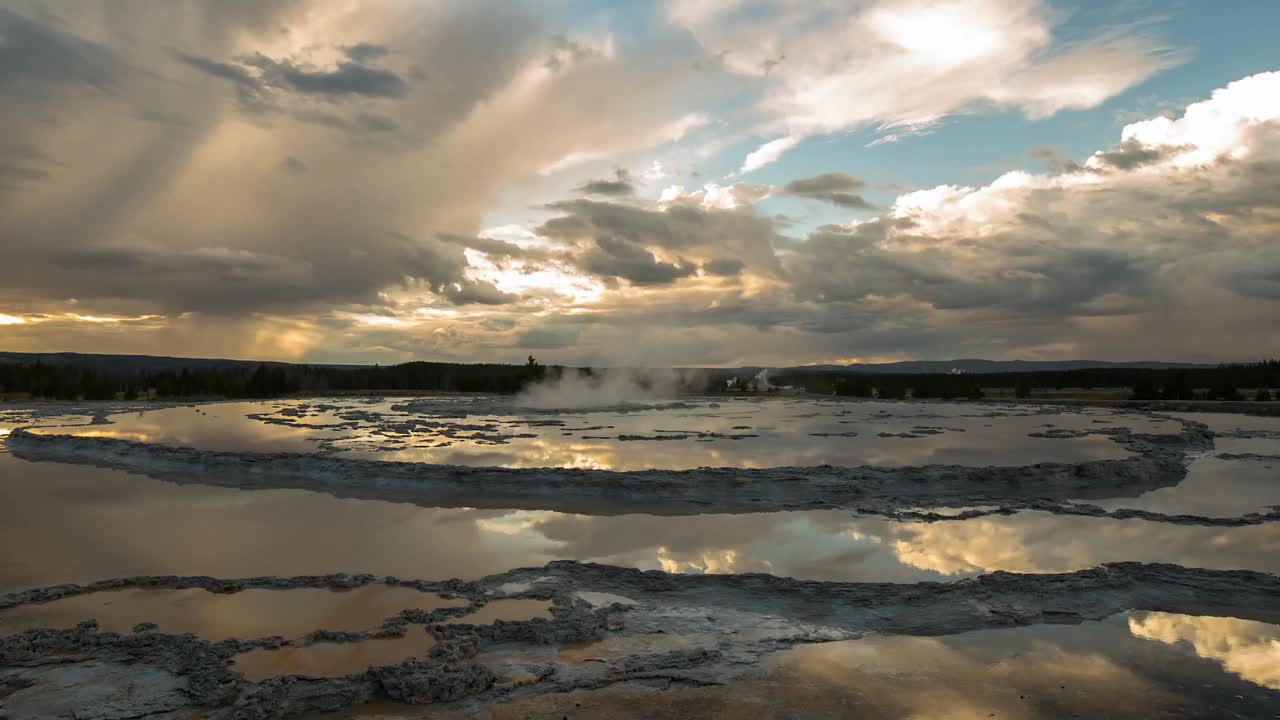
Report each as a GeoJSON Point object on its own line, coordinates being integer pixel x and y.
{"type": "Point", "coordinates": [734, 433]}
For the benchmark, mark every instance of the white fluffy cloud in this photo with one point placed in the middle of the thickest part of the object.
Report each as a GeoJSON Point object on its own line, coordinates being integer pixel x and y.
{"type": "Point", "coordinates": [906, 64]}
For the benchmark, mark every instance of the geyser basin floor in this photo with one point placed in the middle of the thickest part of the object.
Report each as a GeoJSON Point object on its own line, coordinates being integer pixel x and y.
{"type": "Point", "coordinates": [733, 624]}
{"type": "Point", "coordinates": [1134, 665]}
{"type": "Point", "coordinates": [721, 432]}
{"type": "Point", "coordinates": [68, 523]}
{"type": "Point", "coordinates": [74, 523]}
{"type": "Point", "coordinates": [326, 659]}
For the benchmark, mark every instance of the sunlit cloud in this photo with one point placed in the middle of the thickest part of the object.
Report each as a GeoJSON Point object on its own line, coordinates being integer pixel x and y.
{"type": "Point", "coordinates": [1247, 648]}
{"type": "Point", "coordinates": [441, 181]}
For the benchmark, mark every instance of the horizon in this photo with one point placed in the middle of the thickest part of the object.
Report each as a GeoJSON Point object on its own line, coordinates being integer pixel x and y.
{"type": "Point", "coordinates": [1133, 363]}
{"type": "Point", "coordinates": [672, 183]}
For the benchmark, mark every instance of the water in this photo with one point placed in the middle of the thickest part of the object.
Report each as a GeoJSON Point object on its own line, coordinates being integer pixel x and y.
{"type": "Point", "coordinates": [1134, 665]}
{"type": "Point", "coordinates": [74, 523]}
{"type": "Point", "coordinates": [1214, 487]}
{"type": "Point", "coordinates": [244, 615]}
{"type": "Point", "coordinates": [333, 659]}
{"type": "Point", "coordinates": [77, 523]}
{"type": "Point", "coordinates": [696, 433]}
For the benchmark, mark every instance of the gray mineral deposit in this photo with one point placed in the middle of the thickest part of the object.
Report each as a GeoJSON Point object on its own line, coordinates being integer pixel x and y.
{"type": "Point", "coordinates": [468, 557]}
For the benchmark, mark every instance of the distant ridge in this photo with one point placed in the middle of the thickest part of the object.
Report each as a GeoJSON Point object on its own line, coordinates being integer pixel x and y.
{"type": "Point", "coordinates": [977, 366]}
{"type": "Point", "coordinates": [133, 363]}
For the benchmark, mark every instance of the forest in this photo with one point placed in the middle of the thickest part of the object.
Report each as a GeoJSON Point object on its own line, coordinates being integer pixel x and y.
{"type": "Point", "coordinates": [116, 381]}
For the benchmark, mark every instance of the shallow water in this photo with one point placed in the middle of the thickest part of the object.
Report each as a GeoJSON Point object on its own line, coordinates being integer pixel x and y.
{"type": "Point", "coordinates": [74, 523]}
{"type": "Point", "coordinates": [696, 433]}
{"type": "Point", "coordinates": [78, 523]}
{"type": "Point", "coordinates": [1135, 665]}
{"type": "Point", "coordinates": [245, 615]}
{"type": "Point", "coordinates": [1214, 487]}
{"type": "Point", "coordinates": [506, 611]}
{"type": "Point", "coordinates": [333, 659]}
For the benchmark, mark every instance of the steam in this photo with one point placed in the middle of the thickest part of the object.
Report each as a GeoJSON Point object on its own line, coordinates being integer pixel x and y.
{"type": "Point", "coordinates": [609, 388]}
{"type": "Point", "coordinates": [761, 381]}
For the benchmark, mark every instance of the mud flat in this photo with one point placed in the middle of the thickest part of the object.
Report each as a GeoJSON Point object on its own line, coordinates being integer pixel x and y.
{"type": "Point", "coordinates": [1155, 461]}
{"type": "Point", "coordinates": [736, 620]}
{"type": "Point", "coordinates": [1132, 665]}
{"type": "Point", "coordinates": [1128, 580]}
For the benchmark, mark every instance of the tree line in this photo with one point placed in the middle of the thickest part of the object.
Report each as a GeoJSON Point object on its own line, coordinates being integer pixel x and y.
{"type": "Point", "coordinates": [1224, 382]}
{"type": "Point", "coordinates": [246, 380]}
{"type": "Point", "coordinates": [63, 381]}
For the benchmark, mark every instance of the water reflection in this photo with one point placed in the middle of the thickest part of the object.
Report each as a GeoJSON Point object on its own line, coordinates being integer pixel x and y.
{"type": "Point", "coordinates": [698, 433]}
{"type": "Point", "coordinates": [1091, 670]}
{"type": "Point", "coordinates": [1247, 648]}
{"type": "Point", "coordinates": [1213, 487]}
{"type": "Point", "coordinates": [333, 659]}
{"type": "Point", "coordinates": [246, 615]}
{"type": "Point", "coordinates": [71, 523]}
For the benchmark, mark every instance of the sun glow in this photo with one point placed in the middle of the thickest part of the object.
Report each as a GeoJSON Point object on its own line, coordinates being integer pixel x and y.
{"type": "Point", "coordinates": [945, 35]}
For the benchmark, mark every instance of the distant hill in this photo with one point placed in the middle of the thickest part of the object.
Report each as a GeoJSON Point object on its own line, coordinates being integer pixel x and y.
{"type": "Point", "coordinates": [976, 366]}
{"type": "Point", "coordinates": [154, 363]}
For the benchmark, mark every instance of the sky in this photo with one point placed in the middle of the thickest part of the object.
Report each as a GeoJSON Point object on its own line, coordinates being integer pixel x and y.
{"type": "Point", "coordinates": [641, 182]}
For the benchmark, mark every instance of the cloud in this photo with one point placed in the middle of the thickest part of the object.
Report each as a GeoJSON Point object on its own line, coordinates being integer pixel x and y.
{"type": "Point", "coordinates": [1078, 262]}
{"type": "Point", "coordinates": [363, 52]}
{"type": "Point", "coordinates": [549, 338]}
{"type": "Point", "coordinates": [1247, 648]}
{"type": "Point", "coordinates": [38, 61]}
{"type": "Point", "coordinates": [680, 228]}
{"type": "Point", "coordinates": [347, 78]}
{"type": "Point", "coordinates": [620, 185]}
{"type": "Point", "coordinates": [235, 73]}
{"type": "Point", "coordinates": [194, 214]}
{"type": "Point", "coordinates": [768, 153]}
{"type": "Point", "coordinates": [1132, 154]}
{"type": "Point", "coordinates": [293, 165]}
{"type": "Point", "coordinates": [834, 187]}
{"type": "Point", "coordinates": [904, 65]}
{"type": "Point", "coordinates": [311, 180]}
{"type": "Point", "coordinates": [1054, 158]}
{"type": "Point", "coordinates": [724, 267]}
{"type": "Point", "coordinates": [477, 293]}
{"type": "Point", "coordinates": [613, 257]}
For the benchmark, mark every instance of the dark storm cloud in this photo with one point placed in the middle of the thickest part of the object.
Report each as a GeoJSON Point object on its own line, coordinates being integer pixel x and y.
{"type": "Point", "coordinates": [348, 78]}
{"type": "Point", "coordinates": [1016, 272]}
{"type": "Point", "coordinates": [837, 188]}
{"type": "Point", "coordinates": [227, 71]}
{"type": "Point", "coordinates": [724, 267]}
{"type": "Point", "coordinates": [614, 257]}
{"type": "Point", "coordinates": [364, 51]}
{"type": "Point", "coordinates": [619, 186]}
{"type": "Point", "coordinates": [824, 183]}
{"type": "Point", "coordinates": [682, 228]}
{"type": "Point", "coordinates": [494, 248]}
{"type": "Point", "coordinates": [477, 293]}
{"type": "Point", "coordinates": [37, 60]}
{"type": "Point", "coordinates": [249, 90]}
